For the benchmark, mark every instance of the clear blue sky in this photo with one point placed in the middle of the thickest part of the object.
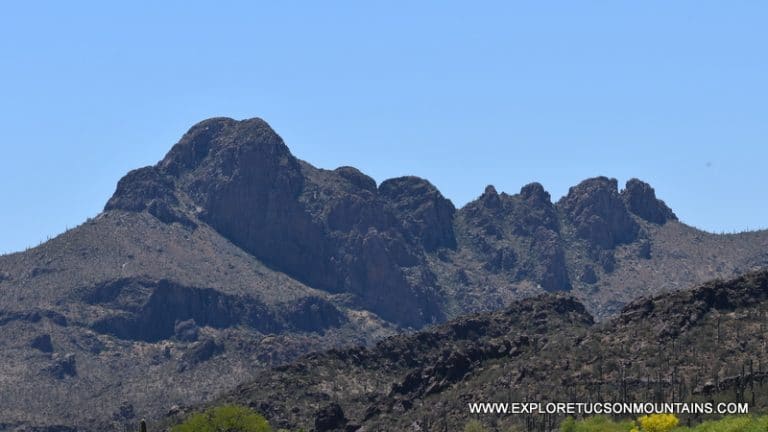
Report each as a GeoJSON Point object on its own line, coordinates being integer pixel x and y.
{"type": "Point", "coordinates": [463, 94]}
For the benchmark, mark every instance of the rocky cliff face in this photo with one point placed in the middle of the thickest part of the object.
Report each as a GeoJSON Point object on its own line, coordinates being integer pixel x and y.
{"type": "Point", "coordinates": [640, 199]}
{"type": "Point", "coordinates": [231, 255]}
{"type": "Point", "coordinates": [401, 249]}
{"type": "Point", "coordinates": [518, 235]}
{"type": "Point", "coordinates": [332, 230]}
{"type": "Point", "coordinates": [426, 216]}
{"type": "Point", "coordinates": [598, 213]}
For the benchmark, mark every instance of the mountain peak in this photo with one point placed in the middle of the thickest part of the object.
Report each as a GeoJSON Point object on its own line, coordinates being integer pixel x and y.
{"type": "Point", "coordinates": [490, 198]}
{"type": "Point", "coordinates": [217, 159]}
{"type": "Point", "coordinates": [222, 136]}
{"type": "Point", "coordinates": [535, 193]}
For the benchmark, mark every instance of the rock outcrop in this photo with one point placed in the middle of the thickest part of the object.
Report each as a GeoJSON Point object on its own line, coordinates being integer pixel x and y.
{"type": "Point", "coordinates": [426, 216]}
{"type": "Point", "coordinates": [640, 199]}
{"type": "Point", "coordinates": [330, 229]}
{"type": "Point", "coordinates": [519, 235]}
{"type": "Point", "coordinates": [598, 213]}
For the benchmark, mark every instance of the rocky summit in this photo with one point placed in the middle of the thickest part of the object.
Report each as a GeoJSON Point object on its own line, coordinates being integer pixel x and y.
{"type": "Point", "coordinates": [231, 255]}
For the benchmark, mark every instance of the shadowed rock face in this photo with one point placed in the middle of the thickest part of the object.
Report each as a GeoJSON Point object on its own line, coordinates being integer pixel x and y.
{"type": "Point", "coordinates": [641, 200]}
{"type": "Point", "coordinates": [426, 215]}
{"type": "Point", "coordinates": [149, 311]}
{"type": "Point", "coordinates": [598, 213]}
{"type": "Point", "coordinates": [329, 229]}
{"type": "Point", "coordinates": [243, 181]}
{"type": "Point", "coordinates": [518, 235]}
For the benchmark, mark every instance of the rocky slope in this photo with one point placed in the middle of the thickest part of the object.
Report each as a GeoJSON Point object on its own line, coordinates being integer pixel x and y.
{"type": "Point", "coordinates": [231, 255]}
{"type": "Point", "coordinates": [704, 344]}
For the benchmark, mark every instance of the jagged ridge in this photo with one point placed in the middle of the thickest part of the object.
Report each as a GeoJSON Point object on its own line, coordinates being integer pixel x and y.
{"type": "Point", "coordinates": [231, 255]}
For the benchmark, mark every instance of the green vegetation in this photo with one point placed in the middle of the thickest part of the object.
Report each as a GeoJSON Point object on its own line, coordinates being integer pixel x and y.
{"type": "Point", "coordinates": [474, 426]}
{"type": "Point", "coordinates": [731, 424]}
{"type": "Point", "coordinates": [665, 423]}
{"type": "Point", "coordinates": [226, 418]}
{"type": "Point", "coordinates": [656, 423]}
{"type": "Point", "coordinates": [595, 424]}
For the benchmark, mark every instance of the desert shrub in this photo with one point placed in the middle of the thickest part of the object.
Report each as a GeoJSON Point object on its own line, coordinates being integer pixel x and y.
{"type": "Point", "coordinates": [730, 424]}
{"type": "Point", "coordinates": [657, 422]}
{"type": "Point", "coordinates": [666, 423]}
{"type": "Point", "coordinates": [474, 426]}
{"type": "Point", "coordinates": [595, 424]}
{"type": "Point", "coordinates": [226, 418]}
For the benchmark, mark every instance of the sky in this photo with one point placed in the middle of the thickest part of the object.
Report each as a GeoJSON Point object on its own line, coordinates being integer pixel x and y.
{"type": "Point", "coordinates": [464, 94]}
